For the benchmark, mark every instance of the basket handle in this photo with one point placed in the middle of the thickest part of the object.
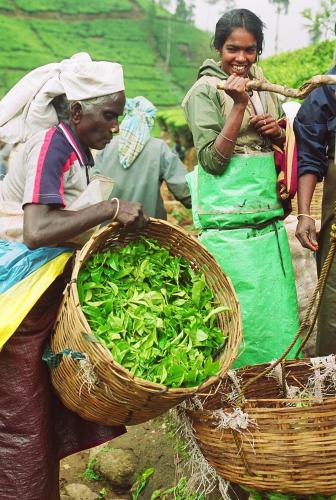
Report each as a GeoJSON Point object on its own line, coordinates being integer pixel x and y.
{"type": "Point", "coordinates": [319, 289]}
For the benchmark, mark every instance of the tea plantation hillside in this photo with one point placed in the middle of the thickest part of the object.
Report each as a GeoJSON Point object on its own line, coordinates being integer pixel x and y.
{"type": "Point", "coordinates": [160, 54]}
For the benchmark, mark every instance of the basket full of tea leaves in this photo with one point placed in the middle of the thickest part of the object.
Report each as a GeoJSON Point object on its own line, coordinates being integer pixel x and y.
{"type": "Point", "coordinates": [147, 320]}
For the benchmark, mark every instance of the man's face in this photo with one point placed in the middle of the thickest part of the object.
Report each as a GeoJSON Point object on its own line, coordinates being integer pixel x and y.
{"type": "Point", "coordinates": [95, 128]}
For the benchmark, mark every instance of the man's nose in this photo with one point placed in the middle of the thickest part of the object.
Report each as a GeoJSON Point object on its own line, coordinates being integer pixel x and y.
{"type": "Point", "coordinates": [115, 128]}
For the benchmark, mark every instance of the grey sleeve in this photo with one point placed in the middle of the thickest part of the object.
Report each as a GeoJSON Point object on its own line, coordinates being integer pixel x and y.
{"type": "Point", "coordinates": [101, 163]}
{"type": "Point", "coordinates": [98, 164]}
{"type": "Point", "coordinates": [173, 172]}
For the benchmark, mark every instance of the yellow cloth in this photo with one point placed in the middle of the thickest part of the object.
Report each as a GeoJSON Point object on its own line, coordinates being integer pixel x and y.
{"type": "Point", "coordinates": [17, 301]}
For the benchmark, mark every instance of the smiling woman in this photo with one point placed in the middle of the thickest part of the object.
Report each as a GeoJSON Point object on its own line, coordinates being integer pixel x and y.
{"type": "Point", "coordinates": [234, 195]}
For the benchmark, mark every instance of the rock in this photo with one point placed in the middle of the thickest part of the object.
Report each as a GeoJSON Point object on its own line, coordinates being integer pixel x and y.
{"type": "Point", "coordinates": [118, 466]}
{"type": "Point", "coordinates": [77, 491]}
{"type": "Point", "coordinates": [93, 452]}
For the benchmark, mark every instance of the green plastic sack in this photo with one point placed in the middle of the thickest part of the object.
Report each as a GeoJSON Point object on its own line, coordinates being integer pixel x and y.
{"type": "Point", "coordinates": [257, 260]}
{"type": "Point", "coordinates": [244, 194]}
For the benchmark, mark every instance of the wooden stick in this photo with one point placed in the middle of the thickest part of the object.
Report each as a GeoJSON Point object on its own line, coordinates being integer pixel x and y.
{"type": "Point", "coordinates": [300, 93]}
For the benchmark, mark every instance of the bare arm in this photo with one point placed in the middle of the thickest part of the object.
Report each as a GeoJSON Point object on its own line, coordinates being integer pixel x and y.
{"type": "Point", "coordinates": [306, 230]}
{"type": "Point", "coordinates": [44, 225]}
{"type": "Point", "coordinates": [226, 140]}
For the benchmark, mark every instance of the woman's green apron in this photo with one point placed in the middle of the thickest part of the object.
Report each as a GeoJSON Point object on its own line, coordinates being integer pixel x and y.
{"type": "Point", "coordinates": [238, 214]}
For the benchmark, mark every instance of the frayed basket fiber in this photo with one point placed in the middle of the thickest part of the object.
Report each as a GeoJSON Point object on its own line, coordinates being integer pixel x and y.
{"type": "Point", "coordinates": [98, 388]}
{"type": "Point", "coordinates": [281, 437]}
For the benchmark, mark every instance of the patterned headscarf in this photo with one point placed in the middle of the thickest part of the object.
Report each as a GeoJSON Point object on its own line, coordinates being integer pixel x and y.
{"type": "Point", "coordinates": [135, 129]}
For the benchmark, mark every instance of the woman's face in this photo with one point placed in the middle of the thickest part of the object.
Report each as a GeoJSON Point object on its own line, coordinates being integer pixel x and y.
{"type": "Point", "coordinates": [239, 52]}
{"type": "Point", "coordinates": [95, 128]}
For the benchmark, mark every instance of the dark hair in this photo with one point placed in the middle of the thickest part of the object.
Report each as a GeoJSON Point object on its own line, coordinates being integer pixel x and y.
{"type": "Point", "coordinates": [62, 108]}
{"type": "Point", "coordinates": [239, 18]}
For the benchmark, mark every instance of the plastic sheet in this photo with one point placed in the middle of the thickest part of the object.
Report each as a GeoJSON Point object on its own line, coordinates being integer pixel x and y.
{"type": "Point", "coordinates": [36, 429]}
{"type": "Point", "coordinates": [24, 276]}
{"type": "Point", "coordinates": [255, 260]}
{"type": "Point", "coordinates": [238, 214]}
{"type": "Point", "coordinates": [244, 194]}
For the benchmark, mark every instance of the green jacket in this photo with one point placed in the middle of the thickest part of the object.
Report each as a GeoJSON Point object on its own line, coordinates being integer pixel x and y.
{"type": "Point", "coordinates": [206, 109]}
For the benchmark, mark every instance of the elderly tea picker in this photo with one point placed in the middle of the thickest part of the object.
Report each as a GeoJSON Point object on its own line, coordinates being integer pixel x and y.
{"type": "Point", "coordinates": [48, 174]}
{"type": "Point", "coordinates": [234, 194]}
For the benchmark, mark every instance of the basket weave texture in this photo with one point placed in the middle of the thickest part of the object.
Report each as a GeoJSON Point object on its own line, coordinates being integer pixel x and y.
{"type": "Point", "coordinates": [118, 397]}
{"type": "Point", "coordinates": [290, 445]}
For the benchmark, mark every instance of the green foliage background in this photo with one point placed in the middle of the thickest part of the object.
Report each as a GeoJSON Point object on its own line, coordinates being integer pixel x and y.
{"type": "Point", "coordinates": [136, 33]}
{"type": "Point", "coordinates": [160, 54]}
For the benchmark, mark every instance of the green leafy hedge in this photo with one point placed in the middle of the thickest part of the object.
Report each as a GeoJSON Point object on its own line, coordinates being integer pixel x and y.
{"type": "Point", "coordinates": [294, 68]}
{"type": "Point", "coordinates": [6, 5]}
{"type": "Point", "coordinates": [140, 45]}
{"type": "Point", "coordinates": [38, 41]}
{"type": "Point", "coordinates": [188, 49]}
{"type": "Point", "coordinates": [74, 7]}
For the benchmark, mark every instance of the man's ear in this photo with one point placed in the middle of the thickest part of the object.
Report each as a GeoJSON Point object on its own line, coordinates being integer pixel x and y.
{"type": "Point", "coordinates": [76, 112]}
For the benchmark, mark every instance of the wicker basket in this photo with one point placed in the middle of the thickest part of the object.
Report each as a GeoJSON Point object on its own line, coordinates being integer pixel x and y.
{"type": "Point", "coordinates": [118, 397]}
{"type": "Point", "coordinates": [316, 203]}
{"type": "Point", "coordinates": [289, 445]}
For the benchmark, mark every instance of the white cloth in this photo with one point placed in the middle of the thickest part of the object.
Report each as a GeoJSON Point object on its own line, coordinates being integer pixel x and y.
{"type": "Point", "coordinates": [27, 107]}
{"type": "Point", "coordinates": [291, 109]}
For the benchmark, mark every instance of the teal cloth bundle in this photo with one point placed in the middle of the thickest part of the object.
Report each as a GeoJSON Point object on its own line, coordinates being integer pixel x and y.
{"type": "Point", "coordinates": [135, 129]}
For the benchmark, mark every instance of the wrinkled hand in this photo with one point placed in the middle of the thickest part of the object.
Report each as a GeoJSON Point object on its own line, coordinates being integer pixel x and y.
{"type": "Point", "coordinates": [266, 125]}
{"type": "Point", "coordinates": [131, 214]}
{"type": "Point", "coordinates": [235, 87]}
{"type": "Point", "coordinates": [306, 233]}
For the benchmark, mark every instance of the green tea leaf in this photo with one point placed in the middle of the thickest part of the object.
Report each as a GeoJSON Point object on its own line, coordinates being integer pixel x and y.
{"type": "Point", "coordinates": [154, 312]}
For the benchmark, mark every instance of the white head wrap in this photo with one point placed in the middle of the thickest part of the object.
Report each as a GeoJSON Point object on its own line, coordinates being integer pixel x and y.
{"type": "Point", "coordinates": [27, 107]}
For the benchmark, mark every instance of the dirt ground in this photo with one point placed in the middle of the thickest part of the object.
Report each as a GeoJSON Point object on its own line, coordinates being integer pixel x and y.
{"type": "Point", "coordinates": [153, 446]}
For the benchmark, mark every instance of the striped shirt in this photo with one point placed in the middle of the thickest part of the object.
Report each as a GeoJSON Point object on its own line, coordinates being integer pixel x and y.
{"type": "Point", "coordinates": [49, 169]}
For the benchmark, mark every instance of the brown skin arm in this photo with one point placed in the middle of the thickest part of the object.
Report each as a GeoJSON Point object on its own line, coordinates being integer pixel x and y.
{"type": "Point", "coordinates": [235, 88]}
{"type": "Point", "coordinates": [306, 229]}
{"type": "Point", "coordinates": [266, 125]}
{"type": "Point", "coordinates": [44, 225]}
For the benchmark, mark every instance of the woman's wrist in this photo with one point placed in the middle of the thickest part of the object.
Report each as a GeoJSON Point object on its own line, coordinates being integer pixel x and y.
{"type": "Point", "coordinates": [240, 106]}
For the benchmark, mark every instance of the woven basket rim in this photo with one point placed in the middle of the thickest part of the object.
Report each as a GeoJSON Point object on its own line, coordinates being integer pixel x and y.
{"type": "Point", "coordinates": [315, 402]}
{"type": "Point", "coordinates": [82, 256]}
{"type": "Point", "coordinates": [320, 403]}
